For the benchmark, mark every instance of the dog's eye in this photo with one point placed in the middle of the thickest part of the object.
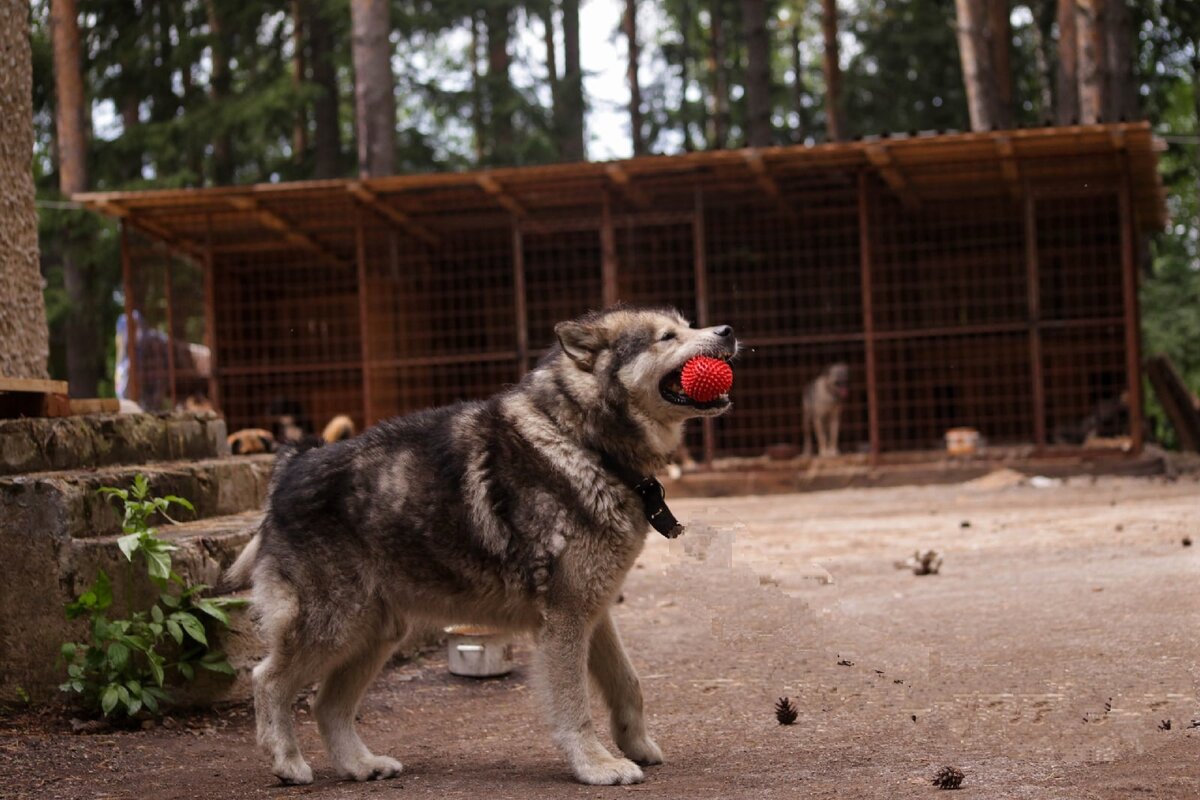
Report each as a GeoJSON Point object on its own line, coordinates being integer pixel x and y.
{"type": "Point", "coordinates": [666, 337]}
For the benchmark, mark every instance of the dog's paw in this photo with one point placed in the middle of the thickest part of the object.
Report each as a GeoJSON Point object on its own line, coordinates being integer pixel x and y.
{"type": "Point", "coordinates": [371, 768]}
{"type": "Point", "coordinates": [609, 772]}
{"type": "Point", "coordinates": [642, 750]}
{"type": "Point", "coordinates": [293, 772]}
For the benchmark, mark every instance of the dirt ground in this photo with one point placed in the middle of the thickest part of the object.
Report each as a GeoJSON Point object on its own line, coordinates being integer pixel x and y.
{"type": "Point", "coordinates": [1042, 661]}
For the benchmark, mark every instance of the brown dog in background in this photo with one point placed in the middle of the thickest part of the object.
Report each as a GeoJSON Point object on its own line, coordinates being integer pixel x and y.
{"type": "Point", "coordinates": [824, 399]}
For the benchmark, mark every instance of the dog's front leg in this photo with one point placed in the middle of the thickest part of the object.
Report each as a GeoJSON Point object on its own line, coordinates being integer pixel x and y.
{"type": "Point", "coordinates": [562, 657]}
{"type": "Point", "coordinates": [622, 691]}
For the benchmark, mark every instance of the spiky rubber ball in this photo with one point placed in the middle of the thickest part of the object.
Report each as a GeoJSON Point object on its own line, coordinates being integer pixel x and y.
{"type": "Point", "coordinates": [706, 379]}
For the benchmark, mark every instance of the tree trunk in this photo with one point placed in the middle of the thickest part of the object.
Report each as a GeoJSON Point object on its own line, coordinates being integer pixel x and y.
{"type": "Point", "coordinates": [478, 110]}
{"type": "Point", "coordinates": [685, 75]}
{"type": "Point", "coordinates": [629, 24]}
{"type": "Point", "coordinates": [835, 127]}
{"type": "Point", "coordinates": [999, 33]}
{"type": "Point", "coordinates": [797, 85]}
{"type": "Point", "coordinates": [758, 73]}
{"type": "Point", "coordinates": [501, 100]}
{"type": "Point", "coordinates": [24, 338]}
{"type": "Point", "coordinates": [552, 77]}
{"type": "Point", "coordinates": [218, 92]}
{"type": "Point", "coordinates": [374, 87]}
{"type": "Point", "coordinates": [719, 76]}
{"type": "Point", "coordinates": [327, 129]}
{"type": "Point", "coordinates": [300, 130]}
{"type": "Point", "coordinates": [1066, 107]}
{"type": "Point", "coordinates": [1043, 58]}
{"type": "Point", "coordinates": [979, 73]}
{"type": "Point", "coordinates": [572, 144]}
{"type": "Point", "coordinates": [1122, 86]}
{"type": "Point", "coordinates": [1091, 34]}
{"type": "Point", "coordinates": [82, 338]}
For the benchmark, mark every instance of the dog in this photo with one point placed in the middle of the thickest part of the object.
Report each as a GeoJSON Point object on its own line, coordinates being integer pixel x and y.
{"type": "Point", "coordinates": [824, 399]}
{"type": "Point", "coordinates": [289, 423]}
{"type": "Point", "coordinates": [523, 512]}
{"type": "Point", "coordinates": [249, 441]}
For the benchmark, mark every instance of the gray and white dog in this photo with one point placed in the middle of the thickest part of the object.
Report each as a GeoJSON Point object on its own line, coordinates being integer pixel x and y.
{"type": "Point", "coordinates": [523, 511]}
{"type": "Point", "coordinates": [824, 398]}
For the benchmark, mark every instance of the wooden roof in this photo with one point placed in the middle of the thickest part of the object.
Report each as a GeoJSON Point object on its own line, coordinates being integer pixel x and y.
{"type": "Point", "coordinates": [920, 168]}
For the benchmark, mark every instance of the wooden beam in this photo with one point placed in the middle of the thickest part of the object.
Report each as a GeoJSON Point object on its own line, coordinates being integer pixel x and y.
{"type": "Point", "coordinates": [881, 159]}
{"type": "Point", "coordinates": [868, 313]}
{"type": "Point", "coordinates": [624, 182]}
{"type": "Point", "coordinates": [269, 219]}
{"type": "Point", "coordinates": [493, 188]}
{"type": "Point", "coordinates": [1009, 168]}
{"type": "Point", "coordinates": [609, 282]}
{"type": "Point", "coordinates": [166, 237]}
{"type": "Point", "coordinates": [402, 220]}
{"type": "Point", "coordinates": [758, 167]}
{"type": "Point", "coordinates": [32, 385]}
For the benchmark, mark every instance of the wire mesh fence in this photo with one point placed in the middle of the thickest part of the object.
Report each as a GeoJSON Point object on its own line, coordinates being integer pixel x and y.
{"type": "Point", "coordinates": [987, 295]}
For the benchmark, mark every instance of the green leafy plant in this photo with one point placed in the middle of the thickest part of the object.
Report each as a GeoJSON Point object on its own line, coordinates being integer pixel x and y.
{"type": "Point", "coordinates": [124, 667]}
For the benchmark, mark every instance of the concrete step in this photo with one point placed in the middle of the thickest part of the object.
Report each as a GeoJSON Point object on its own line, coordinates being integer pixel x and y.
{"type": "Point", "coordinates": [100, 440]}
{"type": "Point", "coordinates": [67, 503]}
{"type": "Point", "coordinates": [206, 548]}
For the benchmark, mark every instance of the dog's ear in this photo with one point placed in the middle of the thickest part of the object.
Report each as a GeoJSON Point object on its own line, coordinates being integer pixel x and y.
{"type": "Point", "coordinates": [235, 445]}
{"type": "Point", "coordinates": [268, 444]}
{"type": "Point", "coordinates": [581, 341]}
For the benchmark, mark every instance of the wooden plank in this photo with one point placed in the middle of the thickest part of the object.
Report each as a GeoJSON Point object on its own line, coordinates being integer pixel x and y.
{"type": "Point", "coordinates": [1176, 401]}
{"type": "Point", "coordinates": [32, 385]}
{"type": "Point", "coordinates": [94, 405]}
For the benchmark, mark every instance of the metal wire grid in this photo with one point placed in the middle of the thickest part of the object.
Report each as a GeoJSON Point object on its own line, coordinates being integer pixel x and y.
{"type": "Point", "coordinates": [956, 334]}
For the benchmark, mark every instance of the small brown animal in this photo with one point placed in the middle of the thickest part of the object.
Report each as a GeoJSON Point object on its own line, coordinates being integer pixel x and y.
{"type": "Point", "coordinates": [339, 428]}
{"type": "Point", "coordinates": [824, 399]}
{"type": "Point", "coordinates": [198, 403]}
{"type": "Point", "coordinates": [248, 441]}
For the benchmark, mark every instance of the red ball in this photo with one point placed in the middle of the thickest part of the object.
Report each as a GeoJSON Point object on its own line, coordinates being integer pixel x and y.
{"type": "Point", "coordinates": [706, 379]}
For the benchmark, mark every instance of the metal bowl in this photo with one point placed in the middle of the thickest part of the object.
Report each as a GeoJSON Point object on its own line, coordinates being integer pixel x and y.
{"type": "Point", "coordinates": [475, 651]}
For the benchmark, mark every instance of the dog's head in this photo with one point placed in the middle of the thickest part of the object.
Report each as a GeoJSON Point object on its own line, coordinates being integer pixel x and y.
{"type": "Point", "coordinates": [633, 357]}
{"type": "Point", "coordinates": [251, 440]}
{"type": "Point", "coordinates": [839, 379]}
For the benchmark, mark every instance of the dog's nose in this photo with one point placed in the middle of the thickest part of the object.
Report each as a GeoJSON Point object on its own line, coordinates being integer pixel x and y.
{"type": "Point", "coordinates": [723, 331]}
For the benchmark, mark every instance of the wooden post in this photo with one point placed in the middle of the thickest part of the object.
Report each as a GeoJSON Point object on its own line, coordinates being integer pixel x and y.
{"type": "Point", "coordinates": [364, 328]}
{"type": "Point", "coordinates": [700, 279]}
{"type": "Point", "coordinates": [608, 254]}
{"type": "Point", "coordinates": [135, 389]}
{"type": "Point", "coordinates": [210, 314]}
{"type": "Point", "coordinates": [519, 308]}
{"type": "Point", "coordinates": [868, 313]}
{"type": "Point", "coordinates": [1037, 375]}
{"type": "Point", "coordinates": [170, 331]}
{"type": "Point", "coordinates": [1129, 287]}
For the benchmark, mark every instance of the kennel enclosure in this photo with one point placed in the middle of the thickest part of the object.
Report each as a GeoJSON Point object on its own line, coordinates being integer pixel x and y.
{"type": "Point", "coordinates": [986, 280]}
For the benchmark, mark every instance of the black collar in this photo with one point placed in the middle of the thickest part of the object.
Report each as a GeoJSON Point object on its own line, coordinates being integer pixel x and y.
{"type": "Point", "coordinates": [654, 497]}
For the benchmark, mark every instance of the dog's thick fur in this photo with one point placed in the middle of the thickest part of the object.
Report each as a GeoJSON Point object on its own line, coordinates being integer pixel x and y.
{"type": "Point", "coordinates": [507, 512]}
{"type": "Point", "coordinates": [824, 398]}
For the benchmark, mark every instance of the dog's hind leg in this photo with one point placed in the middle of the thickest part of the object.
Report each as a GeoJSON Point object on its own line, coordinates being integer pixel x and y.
{"type": "Point", "coordinates": [277, 681]}
{"type": "Point", "coordinates": [336, 705]}
{"type": "Point", "coordinates": [622, 691]}
{"type": "Point", "coordinates": [562, 657]}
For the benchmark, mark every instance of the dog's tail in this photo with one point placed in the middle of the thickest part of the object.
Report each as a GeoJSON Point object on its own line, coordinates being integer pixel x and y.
{"type": "Point", "coordinates": [237, 577]}
{"type": "Point", "coordinates": [339, 428]}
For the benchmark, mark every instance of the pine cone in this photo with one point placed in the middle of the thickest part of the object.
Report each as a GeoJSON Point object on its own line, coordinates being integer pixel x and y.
{"type": "Point", "coordinates": [785, 712]}
{"type": "Point", "coordinates": [948, 778]}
